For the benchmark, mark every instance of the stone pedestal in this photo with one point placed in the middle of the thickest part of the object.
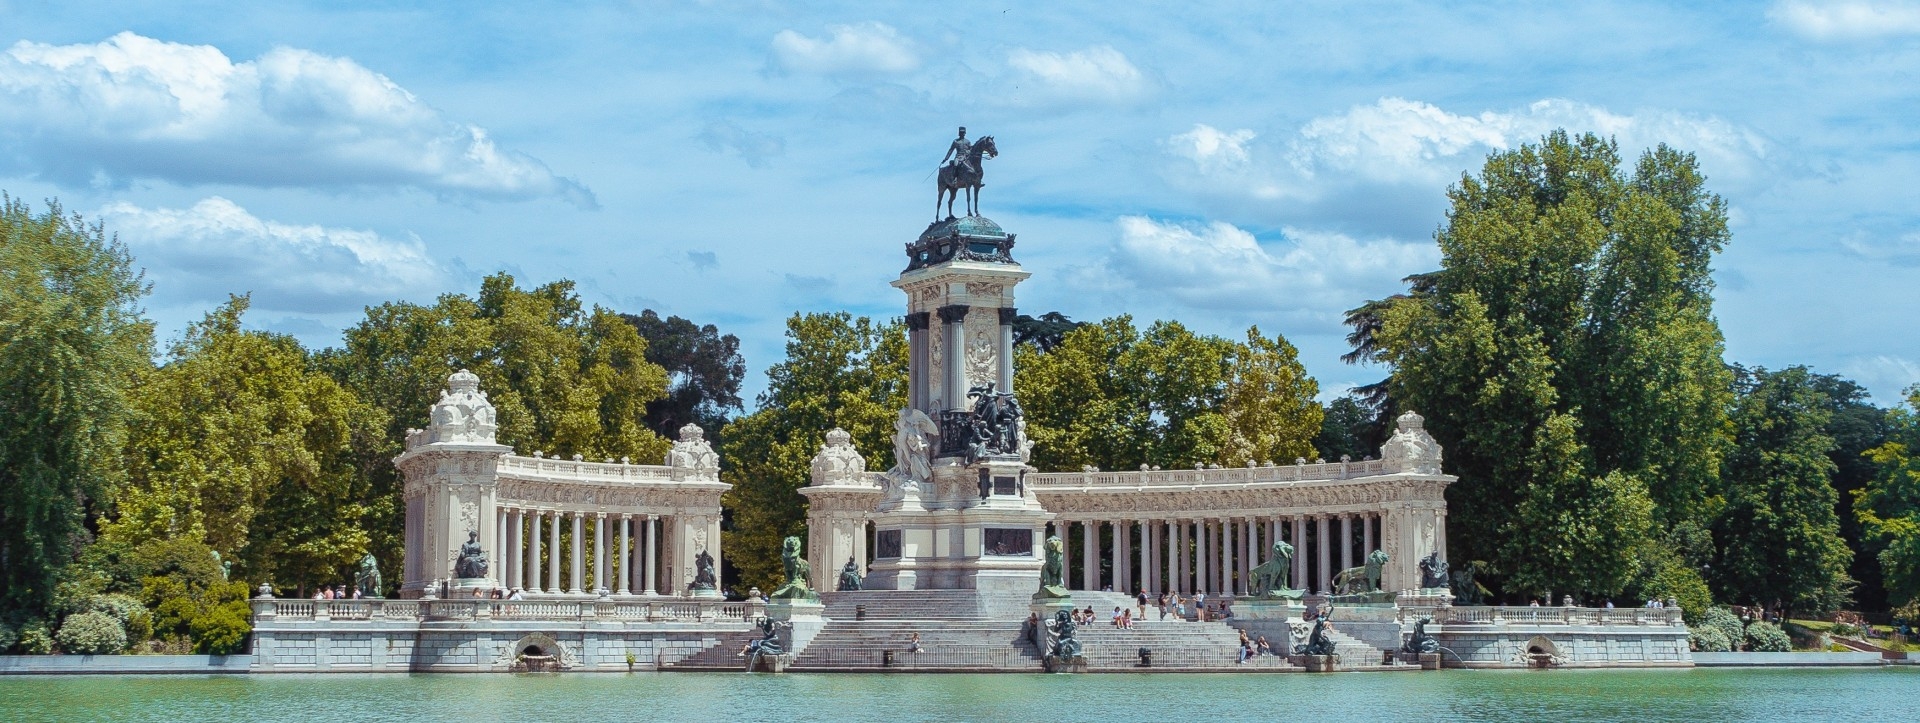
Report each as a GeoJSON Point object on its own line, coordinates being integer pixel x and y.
{"type": "Point", "coordinates": [469, 588]}
{"type": "Point", "coordinates": [974, 527]}
{"type": "Point", "coordinates": [1320, 663]}
{"type": "Point", "coordinates": [1258, 609]}
{"type": "Point", "coordinates": [1429, 661]}
{"type": "Point", "coordinates": [770, 663]}
{"type": "Point", "coordinates": [804, 616]}
{"type": "Point", "coordinates": [1045, 606]}
{"type": "Point", "coordinates": [1056, 664]}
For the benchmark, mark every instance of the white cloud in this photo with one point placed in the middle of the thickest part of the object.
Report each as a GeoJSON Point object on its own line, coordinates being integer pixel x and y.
{"type": "Point", "coordinates": [216, 247]}
{"type": "Point", "coordinates": [1886, 377]}
{"type": "Point", "coordinates": [869, 48]}
{"type": "Point", "coordinates": [1099, 74]}
{"type": "Point", "coordinates": [1395, 140]}
{"type": "Point", "coordinates": [1221, 266]}
{"type": "Point", "coordinates": [1211, 148]}
{"type": "Point", "coordinates": [134, 107]}
{"type": "Point", "coordinates": [1903, 250]}
{"type": "Point", "coordinates": [1847, 20]}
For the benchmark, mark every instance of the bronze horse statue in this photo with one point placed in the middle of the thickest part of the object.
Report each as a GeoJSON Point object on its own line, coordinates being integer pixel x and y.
{"type": "Point", "coordinates": [956, 176]}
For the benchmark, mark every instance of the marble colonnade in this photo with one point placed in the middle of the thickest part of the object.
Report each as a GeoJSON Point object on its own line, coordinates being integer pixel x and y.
{"type": "Point", "coordinates": [1158, 555]}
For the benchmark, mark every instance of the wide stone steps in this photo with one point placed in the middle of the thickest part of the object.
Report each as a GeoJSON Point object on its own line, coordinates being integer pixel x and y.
{"type": "Point", "coordinates": [722, 656]}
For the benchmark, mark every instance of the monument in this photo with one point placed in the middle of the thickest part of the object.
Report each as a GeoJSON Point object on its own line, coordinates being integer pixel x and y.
{"type": "Point", "coordinates": [955, 512]}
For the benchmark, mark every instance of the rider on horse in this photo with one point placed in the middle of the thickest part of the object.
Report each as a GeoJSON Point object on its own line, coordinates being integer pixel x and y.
{"type": "Point", "coordinates": [959, 152]}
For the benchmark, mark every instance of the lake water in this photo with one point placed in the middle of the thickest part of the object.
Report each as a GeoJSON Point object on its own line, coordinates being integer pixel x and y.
{"type": "Point", "coordinates": [1871, 694]}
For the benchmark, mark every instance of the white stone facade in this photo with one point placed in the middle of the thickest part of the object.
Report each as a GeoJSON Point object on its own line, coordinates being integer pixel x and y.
{"type": "Point", "coordinates": [551, 528]}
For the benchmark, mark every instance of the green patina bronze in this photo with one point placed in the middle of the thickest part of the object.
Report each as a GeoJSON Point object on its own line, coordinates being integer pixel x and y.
{"type": "Point", "coordinates": [1271, 578]}
{"type": "Point", "coordinates": [799, 574]}
{"type": "Point", "coordinates": [1052, 572]}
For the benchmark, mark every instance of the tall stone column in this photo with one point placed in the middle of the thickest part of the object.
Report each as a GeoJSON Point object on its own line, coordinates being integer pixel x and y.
{"type": "Point", "coordinates": [599, 552]}
{"type": "Point", "coordinates": [1228, 584]}
{"type": "Point", "coordinates": [1114, 554]}
{"type": "Point", "coordinates": [1300, 551]}
{"type": "Point", "coordinates": [1205, 543]}
{"type": "Point", "coordinates": [1273, 535]}
{"type": "Point", "coordinates": [626, 554]}
{"type": "Point", "coordinates": [953, 319]}
{"type": "Point", "coordinates": [653, 557]}
{"type": "Point", "coordinates": [529, 538]}
{"type": "Point", "coordinates": [1182, 577]}
{"type": "Point", "coordinates": [1366, 530]}
{"type": "Point", "coordinates": [554, 563]}
{"type": "Point", "coordinates": [1090, 553]}
{"type": "Point", "coordinates": [1148, 570]}
{"type": "Point", "coordinates": [579, 568]}
{"type": "Point", "coordinates": [499, 550]}
{"type": "Point", "coordinates": [532, 553]}
{"type": "Point", "coordinates": [1346, 541]}
{"type": "Point", "coordinates": [1066, 553]}
{"type": "Point", "coordinates": [1250, 529]}
{"type": "Point", "coordinates": [919, 347]}
{"type": "Point", "coordinates": [1007, 315]}
{"type": "Point", "coordinates": [1325, 576]}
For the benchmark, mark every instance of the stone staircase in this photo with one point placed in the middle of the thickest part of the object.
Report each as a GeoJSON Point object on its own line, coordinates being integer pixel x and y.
{"type": "Point", "coordinates": [961, 630]}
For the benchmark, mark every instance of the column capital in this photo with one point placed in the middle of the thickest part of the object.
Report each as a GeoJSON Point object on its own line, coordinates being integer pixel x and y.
{"type": "Point", "coordinates": [1008, 314]}
{"type": "Point", "coordinates": [953, 313]}
{"type": "Point", "coordinates": [919, 321]}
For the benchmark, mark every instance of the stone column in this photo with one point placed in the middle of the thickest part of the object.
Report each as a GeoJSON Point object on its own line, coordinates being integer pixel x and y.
{"type": "Point", "coordinates": [601, 559]}
{"type": "Point", "coordinates": [1090, 553]}
{"type": "Point", "coordinates": [554, 563]}
{"type": "Point", "coordinates": [1181, 578]}
{"type": "Point", "coordinates": [1113, 554]}
{"type": "Point", "coordinates": [1273, 535]}
{"type": "Point", "coordinates": [953, 327]}
{"type": "Point", "coordinates": [579, 568]}
{"type": "Point", "coordinates": [1250, 560]}
{"type": "Point", "coordinates": [1149, 569]}
{"type": "Point", "coordinates": [1206, 583]}
{"type": "Point", "coordinates": [1346, 541]}
{"type": "Point", "coordinates": [532, 581]}
{"type": "Point", "coordinates": [625, 526]}
{"type": "Point", "coordinates": [1366, 531]}
{"type": "Point", "coordinates": [1300, 553]}
{"type": "Point", "coordinates": [653, 557]}
{"type": "Point", "coordinates": [1325, 576]}
{"type": "Point", "coordinates": [919, 350]}
{"type": "Point", "coordinates": [1228, 585]}
{"type": "Point", "coordinates": [1066, 553]}
{"type": "Point", "coordinates": [1007, 316]}
{"type": "Point", "coordinates": [501, 540]}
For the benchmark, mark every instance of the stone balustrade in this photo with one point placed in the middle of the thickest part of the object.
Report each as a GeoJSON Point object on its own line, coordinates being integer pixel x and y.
{"type": "Point", "coordinates": [1316, 472]}
{"type": "Point", "coordinates": [1529, 615]}
{"type": "Point", "coordinates": [664, 610]}
{"type": "Point", "coordinates": [571, 470]}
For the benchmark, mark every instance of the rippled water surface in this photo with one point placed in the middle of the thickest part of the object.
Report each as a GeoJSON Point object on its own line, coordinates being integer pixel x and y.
{"type": "Point", "coordinates": [1633, 695]}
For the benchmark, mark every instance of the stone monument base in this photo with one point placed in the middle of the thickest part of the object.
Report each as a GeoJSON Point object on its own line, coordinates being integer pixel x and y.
{"type": "Point", "coordinates": [708, 594]}
{"type": "Point", "coordinates": [1057, 664]}
{"type": "Point", "coordinates": [769, 663]}
{"type": "Point", "coordinates": [1263, 609]}
{"type": "Point", "coordinates": [1429, 661]}
{"type": "Point", "coordinates": [1319, 663]}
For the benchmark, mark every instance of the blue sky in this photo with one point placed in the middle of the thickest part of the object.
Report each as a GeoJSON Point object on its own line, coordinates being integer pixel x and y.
{"type": "Point", "coordinates": [735, 162]}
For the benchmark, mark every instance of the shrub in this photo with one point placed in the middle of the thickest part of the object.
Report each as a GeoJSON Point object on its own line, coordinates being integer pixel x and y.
{"type": "Point", "coordinates": [1728, 624]}
{"type": "Point", "coordinates": [8, 636]}
{"type": "Point", "coordinates": [35, 640]}
{"type": "Point", "coordinates": [1765, 637]}
{"type": "Point", "coordinates": [220, 631]}
{"type": "Point", "coordinates": [92, 633]}
{"type": "Point", "coordinates": [121, 607]}
{"type": "Point", "coordinates": [1843, 629]}
{"type": "Point", "coordinates": [1708, 640]}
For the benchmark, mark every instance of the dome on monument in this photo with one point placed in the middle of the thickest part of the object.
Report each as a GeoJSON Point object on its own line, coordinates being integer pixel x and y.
{"type": "Point", "coordinates": [970, 238]}
{"type": "Point", "coordinates": [973, 226]}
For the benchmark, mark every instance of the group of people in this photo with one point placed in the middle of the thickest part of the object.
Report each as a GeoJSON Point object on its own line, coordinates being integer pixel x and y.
{"type": "Point", "coordinates": [1251, 647]}
{"type": "Point", "coordinates": [337, 592]}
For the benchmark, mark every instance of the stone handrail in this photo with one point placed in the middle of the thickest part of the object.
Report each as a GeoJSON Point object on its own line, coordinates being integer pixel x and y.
{"type": "Point", "coordinates": [1324, 471]}
{"type": "Point", "coordinates": [516, 465]}
{"type": "Point", "coordinates": [663, 610]}
{"type": "Point", "coordinates": [1530, 615]}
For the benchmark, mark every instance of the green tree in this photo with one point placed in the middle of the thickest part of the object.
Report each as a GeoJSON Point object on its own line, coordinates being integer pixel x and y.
{"type": "Point", "coordinates": [1566, 350]}
{"type": "Point", "coordinates": [1857, 426]}
{"type": "Point", "coordinates": [1343, 427]}
{"type": "Point", "coordinates": [1081, 408]}
{"type": "Point", "coordinates": [839, 372]}
{"type": "Point", "coordinates": [1779, 536]}
{"type": "Point", "coordinates": [243, 444]}
{"type": "Point", "coordinates": [565, 380]}
{"type": "Point", "coordinates": [704, 371]}
{"type": "Point", "coordinates": [1269, 406]}
{"type": "Point", "coordinates": [74, 345]}
{"type": "Point", "coordinates": [1889, 506]}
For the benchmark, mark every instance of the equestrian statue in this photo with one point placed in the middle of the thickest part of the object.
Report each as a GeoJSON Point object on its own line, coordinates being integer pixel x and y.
{"type": "Point", "coordinates": [963, 172]}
